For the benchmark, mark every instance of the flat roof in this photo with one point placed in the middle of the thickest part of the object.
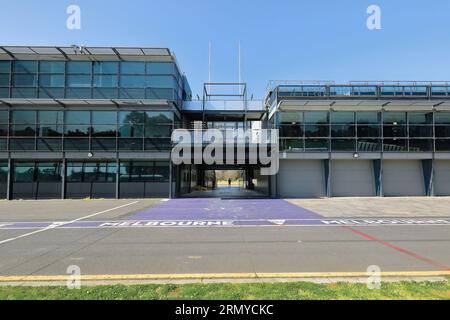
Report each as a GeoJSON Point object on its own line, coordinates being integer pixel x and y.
{"type": "Point", "coordinates": [77, 52]}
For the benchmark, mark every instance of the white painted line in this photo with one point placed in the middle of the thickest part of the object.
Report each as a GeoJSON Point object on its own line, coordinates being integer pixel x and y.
{"type": "Point", "coordinates": [53, 226]}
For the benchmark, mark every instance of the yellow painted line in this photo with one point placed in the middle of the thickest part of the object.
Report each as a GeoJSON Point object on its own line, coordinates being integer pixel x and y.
{"type": "Point", "coordinates": [195, 276]}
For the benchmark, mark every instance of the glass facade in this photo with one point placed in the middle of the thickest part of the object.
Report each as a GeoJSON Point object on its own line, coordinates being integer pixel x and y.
{"type": "Point", "coordinates": [91, 80]}
{"type": "Point", "coordinates": [366, 131]}
{"type": "Point", "coordinates": [97, 130]}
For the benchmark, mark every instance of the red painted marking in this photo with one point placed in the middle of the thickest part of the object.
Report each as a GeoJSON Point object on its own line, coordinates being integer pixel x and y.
{"type": "Point", "coordinates": [399, 249]}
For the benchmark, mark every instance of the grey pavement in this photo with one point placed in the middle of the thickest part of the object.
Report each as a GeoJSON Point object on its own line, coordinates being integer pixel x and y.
{"type": "Point", "coordinates": [211, 250]}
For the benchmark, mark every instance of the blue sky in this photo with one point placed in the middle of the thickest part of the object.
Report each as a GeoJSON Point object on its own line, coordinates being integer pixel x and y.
{"type": "Point", "coordinates": [283, 39]}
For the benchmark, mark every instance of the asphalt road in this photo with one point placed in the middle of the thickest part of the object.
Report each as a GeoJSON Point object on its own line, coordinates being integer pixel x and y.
{"type": "Point", "coordinates": [44, 250]}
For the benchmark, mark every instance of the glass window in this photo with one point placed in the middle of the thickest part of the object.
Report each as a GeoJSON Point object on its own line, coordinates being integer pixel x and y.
{"type": "Point", "coordinates": [421, 131]}
{"type": "Point", "coordinates": [394, 118]}
{"type": "Point", "coordinates": [79, 67]}
{"type": "Point", "coordinates": [343, 145]}
{"type": "Point", "coordinates": [78, 93]}
{"type": "Point", "coordinates": [394, 131]}
{"type": "Point", "coordinates": [23, 117]}
{"type": "Point", "coordinates": [316, 117]}
{"type": "Point", "coordinates": [22, 66]}
{"type": "Point", "coordinates": [24, 172]}
{"type": "Point", "coordinates": [106, 67]}
{"type": "Point", "coordinates": [23, 130]}
{"type": "Point", "coordinates": [316, 145]}
{"type": "Point", "coordinates": [132, 67]}
{"type": "Point", "coordinates": [292, 144]}
{"type": "Point", "coordinates": [395, 145]}
{"type": "Point", "coordinates": [368, 145]}
{"type": "Point", "coordinates": [4, 93]}
{"type": "Point", "coordinates": [104, 93]}
{"type": "Point", "coordinates": [161, 82]}
{"type": "Point", "coordinates": [50, 130]}
{"type": "Point", "coordinates": [442, 144]}
{"type": "Point", "coordinates": [52, 67]}
{"type": "Point", "coordinates": [76, 144]}
{"type": "Point", "coordinates": [417, 145]}
{"type": "Point", "coordinates": [343, 131]}
{"type": "Point", "coordinates": [131, 117]}
{"type": "Point", "coordinates": [77, 117]}
{"type": "Point", "coordinates": [160, 67]}
{"type": "Point", "coordinates": [161, 171]}
{"type": "Point", "coordinates": [290, 117]}
{"type": "Point", "coordinates": [5, 66]}
{"type": "Point", "coordinates": [293, 131]}
{"type": "Point", "coordinates": [52, 93]}
{"type": "Point", "coordinates": [50, 117]}
{"type": "Point", "coordinates": [48, 171]}
{"type": "Point", "coordinates": [74, 171]}
{"type": "Point", "coordinates": [105, 81]}
{"type": "Point", "coordinates": [51, 80]}
{"type": "Point", "coordinates": [443, 131]}
{"type": "Point", "coordinates": [133, 81]}
{"type": "Point", "coordinates": [4, 116]}
{"type": "Point", "coordinates": [104, 117]}
{"type": "Point", "coordinates": [317, 131]}
{"type": "Point", "coordinates": [368, 117]}
{"type": "Point", "coordinates": [342, 117]}
{"type": "Point", "coordinates": [23, 93]}
{"type": "Point", "coordinates": [3, 130]}
{"type": "Point", "coordinates": [420, 117]}
{"type": "Point", "coordinates": [442, 118]}
{"type": "Point", "coordinates": [24, 80]}
{"type": "Point", "coordinates": [369, 131]}
{"type": "Point", "coordinates": [131, 93]}
{"type": "Point", "coordinates": [4, 80]}
{"type": "Point", "coordinates": [78, 81]}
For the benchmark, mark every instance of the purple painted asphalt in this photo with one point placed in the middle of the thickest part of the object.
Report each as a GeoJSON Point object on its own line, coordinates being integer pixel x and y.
{"type": "Point", "coordinates": [216, 208]}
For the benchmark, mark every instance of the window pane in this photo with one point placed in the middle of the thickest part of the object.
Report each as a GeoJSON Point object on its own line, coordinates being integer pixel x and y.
{"type": "Point", "coordinates": [417, 145]}
{"type": "Point", "coordinates": [52, 67]}
{"type": "Point", "coordinates": [24, 172]}
{"type": "Point", "coordinates": [395, 145]}
{"type": "Point", "coordinates": [368, 117]}
{"type": "Point", "coordinates": [443, 131]}
{"type": "Point", "coordinates": [368, 145]}
{"type": "Point", "coordinates": [4, 66]}
{"type": "Point", "coordinates": [294, 131]}
{"type": "Point", "coordinates": [343, 131]}
{"type": "Point", "coordinates": [78, 81]}
{"type": "Point", "coordinates": [316, 145]}
{"type": "Point", "coordinates": [420, 117]}
{"type": "Point", "coordinates": [394, 131]}
{"type": "Point", "coordinates": [50, 130]}
{"type": "Point", "coordinates": [74, 171]}
{"type": "Point", "coordinates": [104, 144]}
{"type": "Point", "coordinates": [22, 66]}
{"type": "Point", "coordinates": [77, 117]}
{"type": "Point", "coordinates": [161, 171]}
{"type": "Point", "coordinates": [49, 171]}
{"type": "Point", "coordinates": [104, 117]}
{"type": "Point", "coordinates": [106, 67]}
{"type": "Point", "coordinates": [161, 82]}
{"type": "Point", "coordinates": [23, 93]}
{"type": "Point", "coordinates": [343, 145]}
{"type": "Point", "coordinates": [76, 130]}
{"type": "Point", "coordinates": [51, 80]}
{"type": "Point", "coordinates": [104, 130]}
{"type": "Point", "coordinates": [76, 144]}
{"type": "Point", "coordinates": [4, 80]}
{"type": "Point", "coordinates": [131, 117]}
{"type": "Point", "coordinates": [23, 130]}
{"type": "Point", "coordinates": [104, 93]}
{"type": "Point", "coordinates": [342, 117]}
{"type": "Point", "coordinates": [317, 131]}
{"type": "Point", "coordinates": [421, 131]}
{"type": "Point", "coordinates": [369, 131]}
{"type": "Point", "coordinates": [133, 81]}
{"type": "Point", "coordinates": [394, 118]}
{"type": "Point", "coordinates": [442, 118]}
{"type": "Point", "coordinates": [160, 68]}
{"type": "Point", "coordinates": [3, 130]}
{"type": "Point", "coordinates": [132, 67]}
{"type": "Point", "coordinates": [52, 93]}
{"type": "Point", "coordinates": [51, 117]}
{"type": "Point", "coordinates": [22, 144]}
{"type": "Point", "coordinates": [23, 117]}
{"type": "Point", "coordinates": [24, 80]}
{"type": "Point", "coordinates": [316, 117]}
{"type": "Point", "coordinates": [442, 144]}
{"type": "Point", "coordinates": [290, 117]}
{"type": "Point", "coordinates": [4, 116]}
{"type": "Point", "coordinates": [80, 67]}
{"type": "Point", "coordinates": [105, 81]}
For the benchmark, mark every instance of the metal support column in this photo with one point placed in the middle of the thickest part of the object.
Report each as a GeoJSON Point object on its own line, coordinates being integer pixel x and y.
{"type": "Point", "coordinates": [63, 177]}
{"type": "Point", "coordinates": [9, 180]}
{"type": "Point", "coordinates": [117, 178]}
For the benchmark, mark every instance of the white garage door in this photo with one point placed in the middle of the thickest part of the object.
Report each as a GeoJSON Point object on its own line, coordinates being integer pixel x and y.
{"type": "Point", "coordinates": [301, 179]}
{"type": "Point", "coordinates": [352, 178]}
{"type": "Point", "coordinates": [403, 178]}
{"type": "Point", "coordinates": [442, 177]}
